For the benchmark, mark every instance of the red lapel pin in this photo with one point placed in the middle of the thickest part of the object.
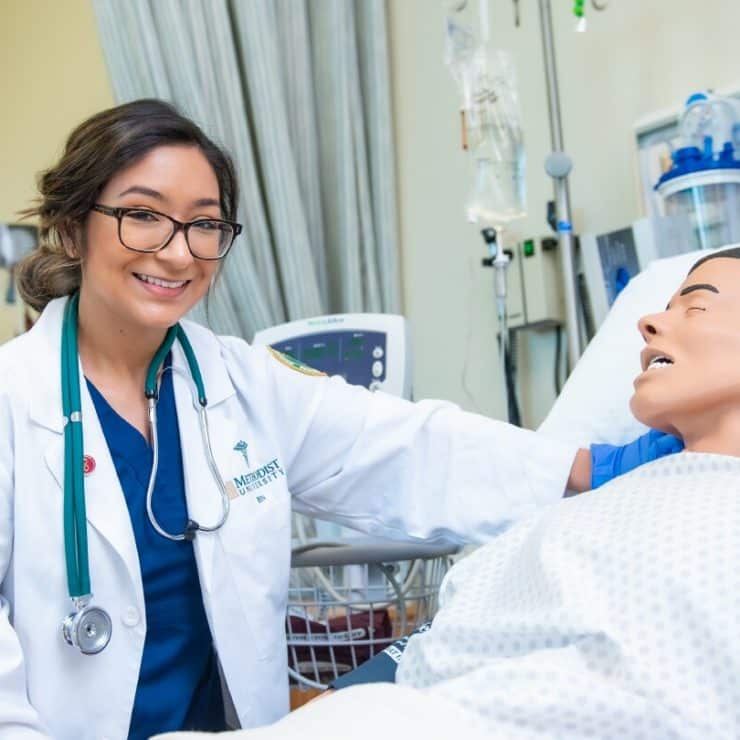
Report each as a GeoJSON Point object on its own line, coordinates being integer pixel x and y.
{"type": "Point", "coordinates": [88, 464]}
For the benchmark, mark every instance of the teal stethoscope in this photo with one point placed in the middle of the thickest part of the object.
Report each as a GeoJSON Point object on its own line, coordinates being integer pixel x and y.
{"type": "Point", "coordinates": [89, 627]}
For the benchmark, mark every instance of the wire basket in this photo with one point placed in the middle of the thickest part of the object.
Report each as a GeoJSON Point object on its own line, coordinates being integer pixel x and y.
{"type": "Point", "coordinates": [339, 616]}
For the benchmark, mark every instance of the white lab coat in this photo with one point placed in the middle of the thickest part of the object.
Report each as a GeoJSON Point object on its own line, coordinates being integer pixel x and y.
{"type": "Point", "coordinates": [325, 448]}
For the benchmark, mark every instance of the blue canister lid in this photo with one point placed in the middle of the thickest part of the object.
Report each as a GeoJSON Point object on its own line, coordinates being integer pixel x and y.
{"type": "Point", "coordinates": [695, 98]}
{"type": "Point", "coordinates": [689, 160]}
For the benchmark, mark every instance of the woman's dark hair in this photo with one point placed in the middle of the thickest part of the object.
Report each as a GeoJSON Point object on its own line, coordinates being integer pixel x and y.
{"type": "Point", "coordinates": [732, 253]}
{"type": "Point", "coordinates": [96, 150]}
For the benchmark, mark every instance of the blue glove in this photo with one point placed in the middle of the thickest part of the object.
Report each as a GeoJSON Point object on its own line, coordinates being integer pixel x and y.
{"type": "Point", "coordinates": [608, 461]}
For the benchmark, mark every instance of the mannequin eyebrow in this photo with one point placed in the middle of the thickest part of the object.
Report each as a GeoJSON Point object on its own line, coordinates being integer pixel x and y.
{"type": "Point", "coordinates": [691, 288]}
{"type": "Point", "coordinates": [699, 286]}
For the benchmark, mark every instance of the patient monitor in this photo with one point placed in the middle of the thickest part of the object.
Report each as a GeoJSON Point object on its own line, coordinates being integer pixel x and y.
{"type": "Point", "coordinates": [368, 349]}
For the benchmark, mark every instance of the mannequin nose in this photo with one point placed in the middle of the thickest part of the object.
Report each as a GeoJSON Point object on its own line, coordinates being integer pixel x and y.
{"type": "Point", "coordinates": [649, 326]}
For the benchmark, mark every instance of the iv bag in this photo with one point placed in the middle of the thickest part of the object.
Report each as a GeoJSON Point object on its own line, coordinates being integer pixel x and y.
{"type": "Point", "coordinates": [492, 125]}
{"type": "Point", "coordinates": [459, 51]}
{"type": "Point", "coordinates": [495, 140]}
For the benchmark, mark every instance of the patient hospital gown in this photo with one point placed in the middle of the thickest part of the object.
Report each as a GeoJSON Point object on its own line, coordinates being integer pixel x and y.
{"type": "Point", "coordinates": [615, 614]}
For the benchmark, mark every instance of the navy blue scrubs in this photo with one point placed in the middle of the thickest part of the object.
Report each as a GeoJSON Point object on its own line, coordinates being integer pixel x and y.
{"type": "Point", "coordinates": [179, 687]}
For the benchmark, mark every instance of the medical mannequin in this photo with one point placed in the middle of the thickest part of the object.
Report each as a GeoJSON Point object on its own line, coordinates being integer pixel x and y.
{"type": "Point", "coordinates": [190, 566]}
{"type": "Point", "coordinates": [612, 614]}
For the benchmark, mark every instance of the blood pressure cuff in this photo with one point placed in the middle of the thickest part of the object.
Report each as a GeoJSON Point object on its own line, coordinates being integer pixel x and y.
{"type": "Point", "coordinates": [381, 667]}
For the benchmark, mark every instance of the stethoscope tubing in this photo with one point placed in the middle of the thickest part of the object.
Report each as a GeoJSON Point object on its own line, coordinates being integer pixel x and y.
{"type": "Point", "coordinates": [75, 518]}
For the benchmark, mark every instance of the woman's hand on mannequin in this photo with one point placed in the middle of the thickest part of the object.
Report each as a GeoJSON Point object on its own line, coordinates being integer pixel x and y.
{"type": "Point", "coordinates": [601, 462]}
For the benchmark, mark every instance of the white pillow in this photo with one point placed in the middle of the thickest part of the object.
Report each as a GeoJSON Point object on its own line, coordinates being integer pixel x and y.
{"type": "Point", "coordinates": [594, 404]}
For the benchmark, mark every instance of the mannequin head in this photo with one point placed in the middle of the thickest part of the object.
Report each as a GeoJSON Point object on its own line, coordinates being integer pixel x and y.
{"type": "Point", "coordinates": [694, 391]}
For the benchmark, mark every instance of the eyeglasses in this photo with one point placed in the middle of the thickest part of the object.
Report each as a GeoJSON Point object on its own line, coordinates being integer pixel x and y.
{"type": "Point", "coordinates": [142, 230]}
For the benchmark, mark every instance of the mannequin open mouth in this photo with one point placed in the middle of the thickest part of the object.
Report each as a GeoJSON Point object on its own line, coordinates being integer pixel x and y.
{"type": "Point", "coordinates": [659, 361]}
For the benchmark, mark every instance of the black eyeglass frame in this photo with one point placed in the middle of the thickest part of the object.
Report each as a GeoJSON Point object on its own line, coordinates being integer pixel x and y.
{"type": "Point", "coordinates": [120, 213]}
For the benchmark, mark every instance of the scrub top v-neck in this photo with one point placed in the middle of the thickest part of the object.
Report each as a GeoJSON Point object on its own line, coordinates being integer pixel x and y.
{"type": "Point", "coordinates": [179, 686]}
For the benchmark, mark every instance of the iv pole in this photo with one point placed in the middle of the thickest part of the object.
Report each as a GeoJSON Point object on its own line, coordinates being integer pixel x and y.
{"type": "Point", "coordinates": [558, 165]}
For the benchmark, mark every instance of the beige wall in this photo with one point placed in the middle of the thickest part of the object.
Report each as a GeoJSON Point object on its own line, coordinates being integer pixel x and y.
{"type": "Point", "coordinates": [52, 76]}
{"type": "Point", "coordinates": [636, 58]}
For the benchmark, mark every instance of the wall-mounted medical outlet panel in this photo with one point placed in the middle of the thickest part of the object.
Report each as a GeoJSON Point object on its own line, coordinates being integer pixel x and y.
{"type": "Point", "coordinates": [535, 285]}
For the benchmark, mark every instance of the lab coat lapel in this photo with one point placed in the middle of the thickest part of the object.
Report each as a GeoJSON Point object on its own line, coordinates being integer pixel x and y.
{"type": "Point", "coordinates": [105, 504]}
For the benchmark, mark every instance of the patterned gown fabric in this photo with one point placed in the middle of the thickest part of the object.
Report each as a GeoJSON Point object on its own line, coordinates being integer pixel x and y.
{"type": "Point", "coordinates": [610, 615]}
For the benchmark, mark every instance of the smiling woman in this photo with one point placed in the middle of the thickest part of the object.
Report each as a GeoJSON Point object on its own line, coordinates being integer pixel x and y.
{"type": "Point", "coordinates": [103, 158]}
{"type": "Point", "coordinates": [690, 384]}
{"type": "Point", "coordinates": [134, 221]}
{"type": "Point", "coordinates": [136, 216]}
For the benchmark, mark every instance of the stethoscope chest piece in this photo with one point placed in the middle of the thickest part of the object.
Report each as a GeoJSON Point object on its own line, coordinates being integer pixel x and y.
{"type": "Point", "coordinates": [88, 629]}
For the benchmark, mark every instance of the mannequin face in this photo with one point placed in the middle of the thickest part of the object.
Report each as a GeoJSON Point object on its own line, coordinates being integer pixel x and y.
{"type": "Point", "coordinates": [697, 388]}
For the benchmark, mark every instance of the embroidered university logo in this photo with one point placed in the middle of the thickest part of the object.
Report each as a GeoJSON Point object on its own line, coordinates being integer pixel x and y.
{"type": "Point", "coordinates": [256, 479]}
{"type": "Point", "coordinates": [252, 480]}
{"type": "Point", "coordinates": [241, 446]}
